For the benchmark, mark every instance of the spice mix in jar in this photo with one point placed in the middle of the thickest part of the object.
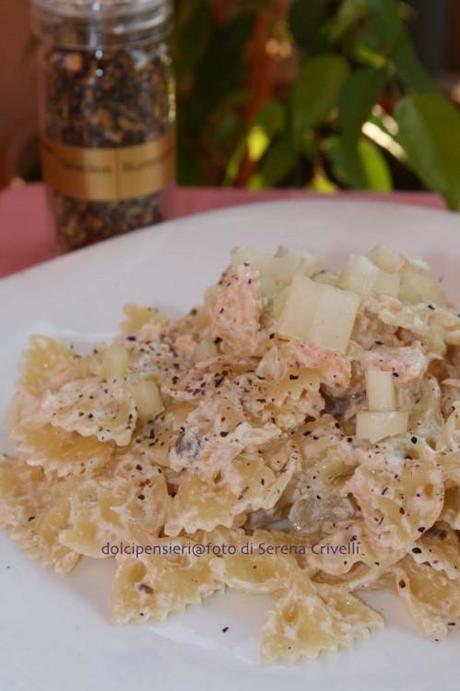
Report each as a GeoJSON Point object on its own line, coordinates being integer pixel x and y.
{"type": "Point", "coordinates": [107, 114]}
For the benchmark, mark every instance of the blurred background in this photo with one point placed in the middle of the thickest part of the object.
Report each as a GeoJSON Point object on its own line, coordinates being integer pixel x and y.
{"type": "Point", "coordinates": [319, 94]}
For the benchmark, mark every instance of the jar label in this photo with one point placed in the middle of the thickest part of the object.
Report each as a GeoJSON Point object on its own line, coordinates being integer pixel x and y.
{"type": "Point", "coordinates": [108, 175]}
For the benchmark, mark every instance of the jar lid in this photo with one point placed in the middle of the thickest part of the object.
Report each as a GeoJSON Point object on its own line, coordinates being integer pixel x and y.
{"type": "Point", "coordinates": [102, 8]}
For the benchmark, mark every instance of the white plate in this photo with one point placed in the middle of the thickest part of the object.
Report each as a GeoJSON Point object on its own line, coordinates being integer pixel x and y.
{"type": "Point", "coordinates": [54, 632]}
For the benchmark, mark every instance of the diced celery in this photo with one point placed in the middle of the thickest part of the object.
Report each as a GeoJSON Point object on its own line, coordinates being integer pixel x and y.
{"type": "Point", "coordinates": [260, 261]}
{"type": "Point", "coordinates": [296, 314]}
{"type": "Point", "coordinates": [281, 267]}
{"type": "Point", "coordinates": [328, 277]}
{"type": "Point", "coordinates": [137, 316]}
{"type": "Point", "coordinates": [318, 314]}
{"type": "Point", "coordinates": [437, 339]}
{"type": "Point", "coordinates": [269, 288]}
{"type": "Point", "coordinates": [115, 362]}
{"type": "Point", "coordinates": [359, 275]}
{"type": "Point", "coordinates": [386, 259]}
{"type": "Point", "coordinates": [333, 318]}
{"type": "Point", "coordinates": [147, 398]}
{"type": "Point", "coordinates": [363, 277]}
{"type": "Point", "coordinates": [375, 426]}
{"type": "Point", "coordinates": [380, 390]}
{"type": "Point", "coordinates": [279, 302]}
{"type": "Point", "coordinates": [388, 283]}
{"type": "Point", "coordinates": [288, 262]}
{"type": "Point", "coordinates": [417, 285]}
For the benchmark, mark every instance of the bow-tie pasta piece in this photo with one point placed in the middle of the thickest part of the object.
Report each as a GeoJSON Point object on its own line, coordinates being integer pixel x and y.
{"type": "Point", "coordinates": [48, 364]}
{"type": "Point", "coordinates": [341, 550]}
{"type": "Point", "coordinates": [400, 496]}
{"type": "Point", "coordinates": [440, 548]}
{"type": "Point", "coordinates": [105, 410]}
{"type": "Point", "coordinates": [451, 509]}
{"type": "Point", "coordinates": [137, 317]}
{"type": "Point", "coordinates": [203, 505]}
{"type": "Point", "coordinates": [311, 619]}
{"type": "Point", "coordinates": [152, 587]}
{"type": "Point", "coordinates": [35, 509]}
{"type": "Point", "coordinates": [60, 452]}
{"type": "Point", "coordinates": [105, 512]}
{"type": "Point", "coordinates": [433, 599]}
{"type": "Point", "coordinates": [265, 563]}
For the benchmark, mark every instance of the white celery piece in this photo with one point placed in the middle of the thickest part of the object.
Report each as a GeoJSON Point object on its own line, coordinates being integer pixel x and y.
{"type": "Point", "coordinates": [279, 268]}
{"type": "Point", "coordinates": [417, 285]}
{"type": "Point", "coordinates": [359, 275]}
{"type": "Point", "coordinates": [375, 426]}
{"type": "Point", "coordinates": [297, 308]}
{"type": "Point", "coordinates": [319, 314]}
{"type": "Point", "coordinates": [260, 261]}
{"type": "Point", "coordinates": [334, 318]}
{"type": "Point", "coordinates": [284, 265]}
{"type": "Point", "coordinates": [288, 262]}
{"type": "Point", "coordinates": [380, 391]}
{"type": "Point", "coordinates": [386, 259]}
{"type": "Point", "coordinates": [328, 277]}
{"type": "Point", "coordinates": [279, 302]}
{"type": "Point", "coordinates": [147, 398]}
{"type": "Point", "coordinates": [115, 362]}
{"type": "Point", "coordinates": [388, 283]}
{"type": "Point", "coordinates": [269, 288]}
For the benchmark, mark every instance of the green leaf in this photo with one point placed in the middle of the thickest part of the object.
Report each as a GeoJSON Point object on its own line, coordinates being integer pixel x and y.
{"type": "Point", "coordinates": [321, 183]}
{"type": "Point", "coordinates": [357, 100]}
{"type": "Point", "coordinates": [376, 170]}
{"type": "Point", "coordinates": [271, 116]}
{"type": "Point", "coordinates": [408, 67]}
{"type": "Point", "coordinates": [358, 97]}
{"type": "Point", "coordinates": [234, 163]}
{"type": "Point", "coordinates": [350, 12]}
{"type": "Point", "coordinates": [364, 54]}
{"type": "Point", "coordinates": [376, 174]}
{"type": "Point", "coordinates": [227, 128]}
{"type": "Point", "coordinates": [258, 142]}
{"type": "Point", "coordinates": [279, 160]}
{"type": "Point", "coordinates": [429, 131]}
{"type": "Point", "coordinates": [391, 37]}
{"type": "Point", "coordinates": [305, 20]}
{"type": "Point", "coordinates": [268, 121]}
{"type": "Point", "coordinates": [316, 91]}
{"type": "Point", "coordinates": [385, 20]}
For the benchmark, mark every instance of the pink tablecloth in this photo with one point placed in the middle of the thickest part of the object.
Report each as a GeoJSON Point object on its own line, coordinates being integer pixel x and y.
{"type": "Point", "coordinates": [26, 226]}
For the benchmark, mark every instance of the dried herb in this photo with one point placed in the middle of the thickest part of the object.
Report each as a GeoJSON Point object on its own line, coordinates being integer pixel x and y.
{"type": "Point", "coordinates": [105, 98]}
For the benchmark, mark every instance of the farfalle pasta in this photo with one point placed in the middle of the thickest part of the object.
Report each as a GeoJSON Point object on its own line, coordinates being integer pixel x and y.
{"type": "Point", "coordinates": [297, 435]}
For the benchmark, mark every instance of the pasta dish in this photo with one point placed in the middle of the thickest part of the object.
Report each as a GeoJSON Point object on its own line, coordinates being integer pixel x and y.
{"type": "Point", "coordinates": [298, 435]}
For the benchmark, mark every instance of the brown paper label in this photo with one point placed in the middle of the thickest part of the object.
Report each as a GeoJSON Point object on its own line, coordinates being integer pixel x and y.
{"type": "Point", "coordinates": [108, 174]}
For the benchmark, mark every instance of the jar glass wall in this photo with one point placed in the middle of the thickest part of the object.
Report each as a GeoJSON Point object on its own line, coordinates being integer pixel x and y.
{"type": "Point", "coordinates": [107, 114]}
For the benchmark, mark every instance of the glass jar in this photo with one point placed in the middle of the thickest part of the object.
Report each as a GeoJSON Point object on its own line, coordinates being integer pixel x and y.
{"type": "Point", "coordinates": [107, 114]}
